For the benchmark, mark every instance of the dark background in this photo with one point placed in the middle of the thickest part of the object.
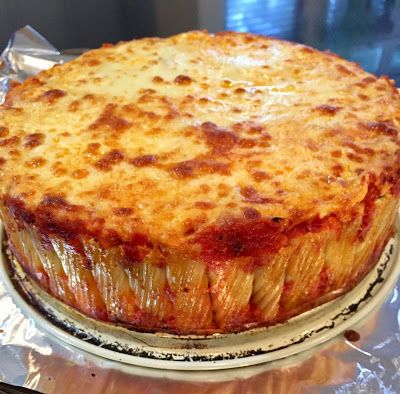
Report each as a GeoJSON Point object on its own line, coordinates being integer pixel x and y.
{"type": "Point", "coordinates": [366, 31]}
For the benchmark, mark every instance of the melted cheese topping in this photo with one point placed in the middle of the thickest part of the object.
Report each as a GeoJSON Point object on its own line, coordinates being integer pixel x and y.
{"type": "Point", "coordinates": [168, 136]}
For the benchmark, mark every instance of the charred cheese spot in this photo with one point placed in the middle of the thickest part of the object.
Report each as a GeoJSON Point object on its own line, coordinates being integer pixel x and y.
{"type": "Point", "coordinates": [80, 173]}
{"type": "Point", "coordinates": [4, 131]}
{"type": "Point", "coordinates": [36, 162]}
{"type": "Point", "coordinates": [92, 149]}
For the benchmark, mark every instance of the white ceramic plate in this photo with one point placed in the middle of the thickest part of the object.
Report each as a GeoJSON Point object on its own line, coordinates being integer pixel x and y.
{"type": "Point", "coordinates": [219, 351]}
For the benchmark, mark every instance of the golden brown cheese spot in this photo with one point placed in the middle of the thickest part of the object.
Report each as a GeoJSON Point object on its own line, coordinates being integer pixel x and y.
{"type": "Point", "coordinates": [336, 153]}
{"type": "Point", "coordinates": [92, 149]}
{"type": "Point", "coordinates": [2, 161]}
{"type": "Point", "coordinates": [363, 97]}
{"type": "Point", "coordinates": [368, 80]}
{"type": "Point", "coordinates": [354, 157]}
{"type": "Point", "coordinates": [312, 145]}
{"type": "Point", "coordinates": [4, 131]}
{"type": "Point", "coordinates": [36, 162]}
{"type": "Point", "coordinates": [109, 119]}
{"type": "Point", "coordinates": [122, 211]}
{"type": "Point", "coordinates": [12, 141]}
{"type": "Point", "coordinates": [157, 79]}
{"type": "Point", "coordinates": [143, 160]}
{"type": "Point", "coordinates": [34, 140]}
{"type": "Point", "coordinates": [325, 109]}
{"type": "Point", "coordinates": [52, 95]}
{"type": "Point", "coordinates": [223, 190]}
{"type": "Point", "coordinates": [344, 70]}
{"type": "Point", "coordinates": [93, 62]}
{"type": "Point", "coordinates": [249, 143]}
{"type": "Point", "coordinates": [218, 139]}
{"type": "Point", "coordinates": [260, 176]}
{"type": "Point", "coordinates": [73, 106]}
{"type": "Point", "coordinates": [359, 149]}
{"type": "Point", "coordinates": [14, 153]}
{"type": "Point", "coordinates": [183, 80]}
{"type": "Point", "coordinates": [80, 173]}
{"type": "Point", "coordinates": [109, 160]}
{"type": "Point", "coordinates": [240, 91]}
{"type": "Point", "coordinates": [204, 204]}
{"type": "Point", "coordinates": [252, 196]}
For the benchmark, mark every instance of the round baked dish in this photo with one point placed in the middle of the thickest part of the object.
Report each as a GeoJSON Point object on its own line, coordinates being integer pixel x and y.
{"type": "Point", "coordinates": [200, 183]}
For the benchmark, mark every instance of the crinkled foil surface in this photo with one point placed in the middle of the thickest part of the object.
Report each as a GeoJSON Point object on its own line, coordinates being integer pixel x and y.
{"type": "Point", "coordinates": [30, 358]}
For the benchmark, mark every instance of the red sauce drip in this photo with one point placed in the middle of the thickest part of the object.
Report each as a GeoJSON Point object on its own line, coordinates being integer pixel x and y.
{"type": "Point", "coordinates": [109, 119]}
{"type": "Point", "coordinates": [369, 210]}
{"type": "Point", "coordinates": [34, 140]}
{"type": "Point", "coordinates": [18, 211]}
{"type": "Point", "coordinates": [352, 336]}
{"type": "Point", "coordinates": [219, 139]}
{"type": "Point", "coordinates": [137, 249]}
{"type": "Point", "coordinates": [109, 160]}
{"type": "Point", "coordinates": [143, 161]}
{"type": "Point", "coordinates": [315, 225]}
{"type": "Point", "coordinates": [240, 238]}
{"type": "Point", "coordinates": [52, 95]}
{"type": "Point", "coordinates": [324, 281]}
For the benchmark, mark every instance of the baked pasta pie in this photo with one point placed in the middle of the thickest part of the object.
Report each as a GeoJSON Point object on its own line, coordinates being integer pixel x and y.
{"type": "Point", "coordinates": [200, 183]}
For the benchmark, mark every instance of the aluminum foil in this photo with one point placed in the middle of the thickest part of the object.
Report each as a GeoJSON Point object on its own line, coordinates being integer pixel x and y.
{"type": "Point", "coordinates": [30, 358]}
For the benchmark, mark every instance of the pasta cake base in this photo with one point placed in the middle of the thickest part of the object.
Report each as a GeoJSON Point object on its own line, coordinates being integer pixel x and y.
{"type": "Point", "coordinates": [218, 351]}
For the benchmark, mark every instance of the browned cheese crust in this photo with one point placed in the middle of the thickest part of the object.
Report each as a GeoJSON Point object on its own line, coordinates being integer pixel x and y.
{"type": "Point", "coordinates": [232, 173]}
